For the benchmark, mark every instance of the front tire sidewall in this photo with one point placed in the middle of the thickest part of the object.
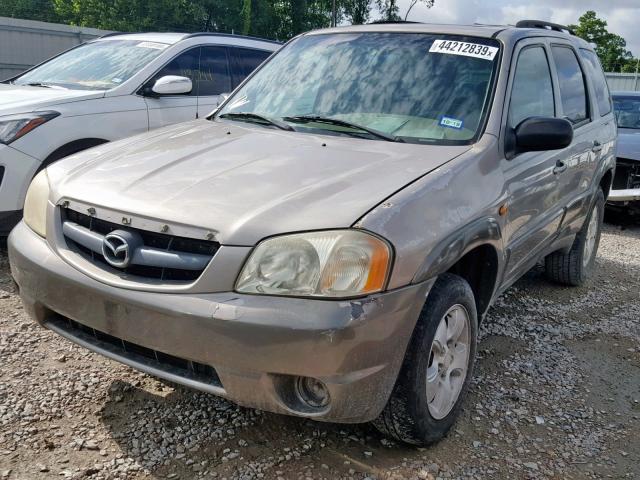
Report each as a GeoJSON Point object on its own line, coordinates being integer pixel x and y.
{"type": "Point", "coordinates": [448, 291]}
{"type": "Point", "coordinates": [586, 270]}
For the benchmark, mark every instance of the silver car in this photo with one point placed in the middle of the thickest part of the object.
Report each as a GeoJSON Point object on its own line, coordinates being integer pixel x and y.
{"type": "Point", "coordinates": [325, 244]}
{"type": "Point", "coordinates": [625, 193]}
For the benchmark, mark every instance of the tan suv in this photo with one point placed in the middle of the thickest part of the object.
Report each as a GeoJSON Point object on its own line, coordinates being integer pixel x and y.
{"type": "Point", "coordinates": [325, 244]}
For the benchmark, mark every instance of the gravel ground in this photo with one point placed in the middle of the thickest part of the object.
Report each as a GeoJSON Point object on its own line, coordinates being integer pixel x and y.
{"type": "Point", "coordinates": [556, 395]}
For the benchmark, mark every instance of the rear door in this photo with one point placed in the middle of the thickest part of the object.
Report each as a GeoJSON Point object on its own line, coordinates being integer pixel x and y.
{"type": "Point", "coordinates": [244, 61]}
{"type": "Point", "coordinates": [535, 209]}
{"type": "Point", "coordinates": [169, 109]}
{"type": "Point", "coordinates": [577, 169]}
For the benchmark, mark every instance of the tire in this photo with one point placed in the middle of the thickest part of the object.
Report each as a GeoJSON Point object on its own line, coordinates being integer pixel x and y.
{"type": "Point", "coordinates": [408, 415]}
{"type": "Point", "coordinates": [575, 267]}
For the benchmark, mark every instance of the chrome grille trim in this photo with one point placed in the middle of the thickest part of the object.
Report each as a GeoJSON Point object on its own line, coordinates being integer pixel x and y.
{"type": "Point", "coordinates": [152, 258]}
{"type": "Point", "coordinates": [143, 256]}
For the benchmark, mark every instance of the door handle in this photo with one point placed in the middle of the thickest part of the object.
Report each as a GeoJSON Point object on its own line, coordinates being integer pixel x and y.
{"type": "Point", "coordinates": [560, 167]}
{"type": "Point", "coordinates": [597, 146]}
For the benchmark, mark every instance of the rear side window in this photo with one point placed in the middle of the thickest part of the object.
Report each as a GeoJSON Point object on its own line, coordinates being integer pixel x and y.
{"type": "Point", "coordinates": [573, 93]}
{"type": "Point", "coordinates": [594, 69]}
{"type": "Point", "coordinates": [532, 91]}
{"type": "Point", "coordinates": [244, 61]}
{"type": "Point", "coordinates": [214, 72]}
{"type": "Point", "coordinates": [184, 65]}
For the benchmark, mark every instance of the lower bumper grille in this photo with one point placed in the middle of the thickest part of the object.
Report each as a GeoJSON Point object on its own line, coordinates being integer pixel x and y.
{"type": "Point", "coordinates": [137, 354]}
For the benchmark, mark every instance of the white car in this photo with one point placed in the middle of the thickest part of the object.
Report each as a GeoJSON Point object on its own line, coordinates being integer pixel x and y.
{"type": "Point", "coordinates": [111, 88]}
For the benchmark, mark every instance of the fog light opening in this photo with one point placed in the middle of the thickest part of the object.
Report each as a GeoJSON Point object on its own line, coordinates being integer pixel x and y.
{"type": "Point", "coordinates": [313, 392]}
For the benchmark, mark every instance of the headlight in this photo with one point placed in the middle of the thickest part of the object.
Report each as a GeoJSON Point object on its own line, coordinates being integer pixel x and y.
{"type": "Point", "coordinates": [336, 264]}
{"type": "Point", "coordinates": [12, 127]}
{"type": "Point", "coordinates": [35, 205]}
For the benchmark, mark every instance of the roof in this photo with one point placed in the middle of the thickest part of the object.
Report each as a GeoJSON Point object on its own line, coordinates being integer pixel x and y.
{"type": "Point", "coordinates": [172, 38]}
{"type": "Point", "coordinates": [168, 38]}
{"type": "Point", "coordinates": [504, 32]}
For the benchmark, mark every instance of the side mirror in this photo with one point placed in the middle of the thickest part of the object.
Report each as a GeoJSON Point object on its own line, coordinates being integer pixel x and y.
{"type": "Point", "coordinates": [223, 98]}
{"type": "Point", "coordinates": [172, 85]}
{"type": "Point", "coordinates": [537, 134]}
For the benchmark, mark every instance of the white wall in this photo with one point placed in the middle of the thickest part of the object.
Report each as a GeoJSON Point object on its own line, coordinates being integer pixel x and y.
{"type": "Point", "coordinates": [24, 43]}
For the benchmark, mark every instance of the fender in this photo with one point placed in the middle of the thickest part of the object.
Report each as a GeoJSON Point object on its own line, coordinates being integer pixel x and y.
{"type": "Point", "coordinates": [484, 231]}
{"type": "Point", "coordinates": [71, 148]}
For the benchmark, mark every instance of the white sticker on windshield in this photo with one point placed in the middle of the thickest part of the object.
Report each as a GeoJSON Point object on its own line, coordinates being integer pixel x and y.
{"type": "Point", "coordinates": [466, 49]}
{"type": "Point", "coordinates": [154, 45]}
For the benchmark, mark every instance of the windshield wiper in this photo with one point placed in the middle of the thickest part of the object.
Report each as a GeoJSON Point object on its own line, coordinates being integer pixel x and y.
{"type": "Point", "coordinates": [43, 85]}
{"type": "Point", "coordinates": [343, 123]}
{"type": "Point", "coordinates": [256, 118]}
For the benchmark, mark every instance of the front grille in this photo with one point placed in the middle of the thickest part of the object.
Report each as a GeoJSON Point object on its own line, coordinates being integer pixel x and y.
{"type": "Point", "coordinates": [181, 367]}
{"type": "Point", "coordinates": [160, 241]}
{"type": "Point", "coordinates": [627, 174]}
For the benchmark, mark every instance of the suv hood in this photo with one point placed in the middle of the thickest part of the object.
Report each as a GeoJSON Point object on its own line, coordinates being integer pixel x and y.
{"type": "Point", "coordinates": [22, 99]}
{"type": "Point", "coordinates": [245, 182]}
{"type": "Point", "coordinates": [629, 143]}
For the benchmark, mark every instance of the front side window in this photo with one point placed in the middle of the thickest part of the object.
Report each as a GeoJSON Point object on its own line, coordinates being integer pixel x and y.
{"type": "Point", "coordinates": [532, 90]}
{"type": "Point", "coordinates": [184, 65]}
{"type": "Point", "coordinates": [573, 92]}
{"type": "Point", "coordinates": [421, 88]}
{"type": "Point", "coordinates": [214, 72]}
{"type": "Point", "coordinates": [627, 111]}
{"type": "Point", "coordinates": [99, 65]}
{"type": "Point", "coordinates": [599, 81]}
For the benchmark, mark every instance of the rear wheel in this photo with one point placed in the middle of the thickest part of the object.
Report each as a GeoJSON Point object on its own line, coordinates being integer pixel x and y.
{"type": "Point", "coordinates": [438, 366]}
{"type": "Point", "coordinates": [574, 268]}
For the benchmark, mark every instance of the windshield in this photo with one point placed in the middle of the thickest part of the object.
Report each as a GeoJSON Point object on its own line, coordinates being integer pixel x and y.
{"type": "Point", "coordinates": [94, 66]}
{"type": "Point", "coordinates": [414, 87]}
{"type": "Point", "coordinates": [627, 111]}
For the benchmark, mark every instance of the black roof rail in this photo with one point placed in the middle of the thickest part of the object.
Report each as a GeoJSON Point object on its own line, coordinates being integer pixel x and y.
{"type": "Point", "coordinates": [556, 27]}
{"type": "Point", "coordinates": [219, 34]}
{"type": "Point", "coordinates": [390, 22]}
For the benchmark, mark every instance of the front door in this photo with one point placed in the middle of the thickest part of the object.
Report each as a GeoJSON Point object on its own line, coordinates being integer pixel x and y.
{"type": "Point", "coordinates": [170, 109]}
{"type": "Point", "coordinates": [535, 209]}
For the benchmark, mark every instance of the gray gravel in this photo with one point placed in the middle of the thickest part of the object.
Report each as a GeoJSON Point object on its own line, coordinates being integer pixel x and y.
{"type": "Point", "coordinates": [556, 395]}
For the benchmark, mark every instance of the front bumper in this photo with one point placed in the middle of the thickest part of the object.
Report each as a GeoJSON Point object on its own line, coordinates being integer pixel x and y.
{"type": "Point", "coordinates": [627, 195]}
{"type": "Point", "coordinates": [18, 171]}
{"type": "Point", "coordinates": [257, 345]}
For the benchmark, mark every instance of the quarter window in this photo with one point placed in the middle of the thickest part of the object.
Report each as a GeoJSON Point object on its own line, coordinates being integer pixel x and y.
{"type": "Point", "coordinates": [573, 93]}
{"type": "Point", "coordinates": [532, 91]}
{"type": "Point", "coordinates": [184, 65]}
{"type": "Point", "coordinates": [599, 81]}
{"type": "Point", "coordinates": [214, 72]}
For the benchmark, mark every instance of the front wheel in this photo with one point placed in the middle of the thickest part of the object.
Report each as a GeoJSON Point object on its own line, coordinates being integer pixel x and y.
{"type": "Point", "coordinates": [438, 366]}
{"type": "Point", "coordinates": [574, 268]}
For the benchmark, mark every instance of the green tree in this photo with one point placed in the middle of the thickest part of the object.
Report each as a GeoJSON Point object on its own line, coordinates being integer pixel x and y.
{"type": "Point", "coordinates": [611, 48]}
{"type": "Point", "coordinates": [357, 12]}
{"type": "Point", "coordinates": [41, 10]}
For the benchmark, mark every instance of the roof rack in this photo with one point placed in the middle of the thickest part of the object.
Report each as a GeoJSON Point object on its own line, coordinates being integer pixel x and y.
{"type": "Point", "coordinates": [556, 27]}
{"type": "Point", "coordinates": [220, 34]}
{"type": "Point", "coordinates": [389, 22]}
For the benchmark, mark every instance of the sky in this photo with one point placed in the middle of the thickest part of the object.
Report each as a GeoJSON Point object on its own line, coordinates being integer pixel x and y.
{"type": "Point", "coordinates": [622, 16]}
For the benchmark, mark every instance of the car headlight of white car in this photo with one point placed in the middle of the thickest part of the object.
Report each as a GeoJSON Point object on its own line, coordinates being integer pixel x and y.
{"type": "Point", "coordinates": [12, 127]}
{"type": "Point", "coordinates": [35, 204]}
{"type": "Point", "coordinates": [334, 264]}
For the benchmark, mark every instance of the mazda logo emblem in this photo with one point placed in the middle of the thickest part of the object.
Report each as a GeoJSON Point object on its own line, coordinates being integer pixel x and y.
{"type": "Point", "coordinates": [118, 248]}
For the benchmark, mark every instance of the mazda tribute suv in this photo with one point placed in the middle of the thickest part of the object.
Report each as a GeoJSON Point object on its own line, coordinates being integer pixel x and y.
{"type": "Point", "coordinates": [326, 243]}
